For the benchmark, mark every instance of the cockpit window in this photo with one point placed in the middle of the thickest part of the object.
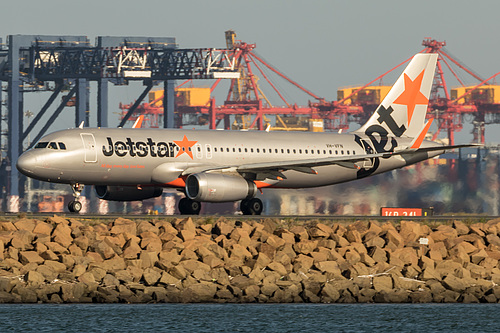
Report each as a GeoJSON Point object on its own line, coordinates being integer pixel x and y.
{"type": "Point", "coordinates": [62, 146]}
{"type": "Point", "coordinates": [53, 145]}
{"type": "Point", "coordinates": [41, 145]}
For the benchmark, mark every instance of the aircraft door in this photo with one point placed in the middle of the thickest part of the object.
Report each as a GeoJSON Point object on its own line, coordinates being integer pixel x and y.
{"type": "Point", "coordinates": [89, 147]}
{"type": "Point", "coordinates": [367, 147]}
{"type": "Point", "coordinates": [208, 148]}
{"type": "Point", "coordinates": [199, 153]}
{"type": "Point", "coordinates": [367, 163]}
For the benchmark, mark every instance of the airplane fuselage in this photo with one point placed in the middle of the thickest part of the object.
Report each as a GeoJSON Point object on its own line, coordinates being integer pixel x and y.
{"type": "Point", "coordinates": [134, 157]}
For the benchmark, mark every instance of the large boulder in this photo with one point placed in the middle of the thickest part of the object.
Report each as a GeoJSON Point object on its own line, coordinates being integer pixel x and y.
{"type": "Point", "coordinates": [382, 283]}
{"type": "Point", "coordinates": [62, 235]}
{"type": "Point", "coordinates": [122, 225]}
{"type": "Point", "coordinates": [200, 292]}
{"type": "Point", "coordinates": [22, 240]}
{"type": "Point", "coordinates": [26, 257]}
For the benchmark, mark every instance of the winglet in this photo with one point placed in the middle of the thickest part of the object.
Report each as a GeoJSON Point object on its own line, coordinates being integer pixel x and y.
{"type": "Point", "coordinates": [138, 122]}
{"type": "Point", "coordinates": [417, 142]}
{"type": "Point", "coordinates": [81, 125]}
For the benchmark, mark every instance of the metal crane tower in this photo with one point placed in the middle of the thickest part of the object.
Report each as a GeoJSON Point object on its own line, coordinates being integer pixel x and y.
{"type": "Point", "coordinates": [33, 63]}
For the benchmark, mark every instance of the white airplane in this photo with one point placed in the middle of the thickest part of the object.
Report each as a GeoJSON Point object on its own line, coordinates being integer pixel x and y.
{"type": "Point", "coordinates": [221, 166]}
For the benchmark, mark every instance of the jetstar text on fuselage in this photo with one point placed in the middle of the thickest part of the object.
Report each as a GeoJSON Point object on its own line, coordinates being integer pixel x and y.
{"type": "Point", "coordinates": [139, 148]}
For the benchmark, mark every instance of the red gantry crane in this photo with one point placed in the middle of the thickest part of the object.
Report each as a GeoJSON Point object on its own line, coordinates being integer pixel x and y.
{"type": "Point", "coordinates": [247, 107]}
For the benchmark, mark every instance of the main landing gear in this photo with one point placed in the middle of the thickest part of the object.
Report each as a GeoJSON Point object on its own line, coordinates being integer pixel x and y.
{"type": "Point", "coordinates": [75, 206]}
{"type": "Point", "coordinates": [248, 207]}
{"type": "Point", "coordinates": [251, 206]}
{"type": "Point", "coordinates": [189, 207]}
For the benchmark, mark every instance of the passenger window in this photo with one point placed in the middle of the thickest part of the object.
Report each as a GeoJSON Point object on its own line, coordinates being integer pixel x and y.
{"type": "Point", "coordinates": [199, 153]}
{"type": "Point", "coordinates": [342, 152]}
{"type": "Point", "coordinates": [215, 149]}
{"type": "Point", "coordinates": [282, 151]}
{"type": "Point", "coordinates": [336, 152]}
{"type": "Point", "coordinates": [306, 151]}
{"type": "Point", "coordinates": [288, 151]}
{"type": "Point", "coordinates": [263, 150]}
{"type": "Point", "coordinates": [348, 152]}
{"type": "Point", "coordinates": [312, 151]}
{"type": "Point", "coordinates": [330, 152]}
{"type": "Point", "coordinates": [251, 150]}
{"type": "Point", "coordinates": [41, 145]}
{"type": "Point", "coordinates": [62, 146]}
{"type": "Point", "coordinates": [324, 152]}
{"type": "Point", "coordinates": [294, 151]}
{"type": "Point", "coordinates": [234, 149]}
{"type": "Point", "coordinates": [227, 149]}
{"type": "Point", "coordinates": [276, 151]}
{"type": "Point", "coordinates": [354, 152]}
{"type": "Point", "coordinates": [319, 152]}
{"type": "Point", "coordinates": [53, 145]}
{"type": "Point", "coordinates": [246, 150]}
{"type": "Point", "coordinates": [239, 149]}
{"type": "Point", "coordinates": [257, 149]}
{"type": "Point", "coordinates": [209, 151]}
{"type": "Point", "coordinates": [300, 151]}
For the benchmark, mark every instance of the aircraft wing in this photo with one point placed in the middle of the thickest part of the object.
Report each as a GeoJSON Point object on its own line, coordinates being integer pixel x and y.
{"type": "Point", "coordinates": [351, 162]}
{"type": "Point", "coordinates": [437, 148]}
{"type": "Point", "coordinates": [300, 165]}
{"type": "Point", "coordinates": [346, 161]}
{"type": "Point", "coordinates": [273, 170]}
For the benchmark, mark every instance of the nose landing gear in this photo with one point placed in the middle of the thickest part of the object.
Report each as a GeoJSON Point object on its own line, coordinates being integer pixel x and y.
{"type": "Point", "coordinates": [75, 206]}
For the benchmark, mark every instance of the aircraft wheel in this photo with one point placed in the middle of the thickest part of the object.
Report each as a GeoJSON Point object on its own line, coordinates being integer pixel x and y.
{"type": "Point", "coordinates": [244, 207]}
{"type": "Point", "coordinates": [254, 207]}
{"type": "Point", "coordinates": [189, 207]}
{"type": "Point", "coordinates": [194, 207]}
{"type": "Point", "coordinates": [75, 206]}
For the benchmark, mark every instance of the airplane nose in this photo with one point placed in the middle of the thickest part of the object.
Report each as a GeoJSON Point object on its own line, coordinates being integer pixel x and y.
{"type": "Point", "coordinates": [26, 164]}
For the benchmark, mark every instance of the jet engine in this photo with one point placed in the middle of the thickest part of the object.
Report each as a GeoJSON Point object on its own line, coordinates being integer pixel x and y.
{"type": "Point", "coordinates": [127, 193]}
{"type": "Point", "coordinates": [215, 187]}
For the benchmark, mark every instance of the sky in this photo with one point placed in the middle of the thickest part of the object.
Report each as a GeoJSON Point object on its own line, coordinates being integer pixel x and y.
{"type": "Point", "coordinates": [321, 44]}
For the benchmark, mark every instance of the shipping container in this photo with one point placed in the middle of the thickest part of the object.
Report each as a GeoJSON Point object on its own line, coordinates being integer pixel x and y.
{"type": "Point", "coordinates": [369, 95]}
{"type": "Point", "coordinates": [192, 96]}
{"type": "Point", "coordinates": [316, 125]}
{"type": "Point", "coordinates": [487, 94]}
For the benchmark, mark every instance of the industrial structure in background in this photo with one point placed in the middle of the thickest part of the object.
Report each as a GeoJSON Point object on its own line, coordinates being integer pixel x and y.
{"type": "Point", "coordinates": [64, 66]}
{"type": "Point", "coordinates": [31, 64]}
{"type": "Point", "coordinates": [247, 107]}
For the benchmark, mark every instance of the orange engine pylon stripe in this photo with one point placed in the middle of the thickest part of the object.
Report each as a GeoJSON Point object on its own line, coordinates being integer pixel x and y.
{"type": "Point", "coordinates": [261, 184]}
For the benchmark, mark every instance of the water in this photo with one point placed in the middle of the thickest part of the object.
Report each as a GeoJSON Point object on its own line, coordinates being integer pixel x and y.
{"type": "Point", "coordinates": [250, 318]}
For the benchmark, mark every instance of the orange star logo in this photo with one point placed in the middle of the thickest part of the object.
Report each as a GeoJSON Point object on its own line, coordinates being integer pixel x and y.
{"type": "Point", "coordinates": [185, 147]}
{"type": "Point", "coordinates": [412, 95]}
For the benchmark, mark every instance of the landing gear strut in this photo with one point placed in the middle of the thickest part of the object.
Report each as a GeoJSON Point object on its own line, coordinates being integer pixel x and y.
{"type": "Point", "coordinates": [189, 207]}
{"type": "Point", "coordinates": [75, 206]}
{"type": "Point", "coordinates": [251, 207]}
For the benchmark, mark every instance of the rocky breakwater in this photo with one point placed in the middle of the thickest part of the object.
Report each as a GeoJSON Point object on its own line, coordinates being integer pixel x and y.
{"type": "Point", "coordinates": [63, 260]}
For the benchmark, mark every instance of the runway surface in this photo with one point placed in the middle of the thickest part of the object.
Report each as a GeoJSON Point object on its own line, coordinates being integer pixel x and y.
{"type": "Point", "coordinates": [343, 218]}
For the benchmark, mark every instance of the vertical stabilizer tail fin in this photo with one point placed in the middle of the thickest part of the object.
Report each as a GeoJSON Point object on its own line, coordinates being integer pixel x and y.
{"type": "Point", "coordinates": [403, 110]}
{"type": "Point", "coordinates": [138, 122]}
